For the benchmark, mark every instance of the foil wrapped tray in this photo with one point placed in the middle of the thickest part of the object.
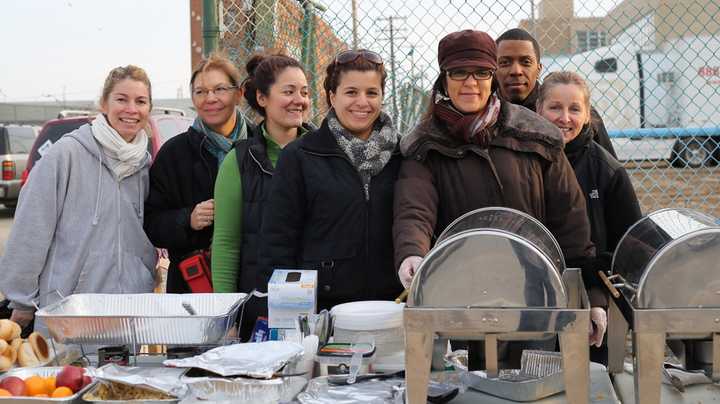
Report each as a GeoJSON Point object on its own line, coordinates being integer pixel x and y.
{"type": "Point", "coordinates": [246, 390]}
{"type": "Point", "coordinates": [24, 373]}
{"type": "Point", "coordinates": [149, 318]}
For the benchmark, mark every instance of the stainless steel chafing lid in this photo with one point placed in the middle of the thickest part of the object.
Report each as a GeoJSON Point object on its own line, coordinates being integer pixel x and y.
{"type": "Point", "coordinates": [488, 267]}
{"type": "Point", "coordinates": [672, 258]}
{"type": "Point", "coordinates": [512, 221]}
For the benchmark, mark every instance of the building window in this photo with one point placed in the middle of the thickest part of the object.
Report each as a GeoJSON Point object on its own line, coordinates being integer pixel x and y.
{"type": "Point", "coordinates": [606, 66]}
{"type": "Point", "coordinates": [587, 40]}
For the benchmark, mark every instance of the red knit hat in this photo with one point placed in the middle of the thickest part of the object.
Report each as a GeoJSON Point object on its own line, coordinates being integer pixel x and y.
{"type": "Point", "coordinates": [467, 48]}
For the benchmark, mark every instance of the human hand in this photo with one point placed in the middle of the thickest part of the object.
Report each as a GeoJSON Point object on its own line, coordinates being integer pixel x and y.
{"type": "Point", "coordinates": [598, 318]}
{"type": "Point", "coordinates": [202, 215]}
{"type": "Point", "coordinates": [22, 317]}
{"type": "Point", "coordinates": [407, 269]}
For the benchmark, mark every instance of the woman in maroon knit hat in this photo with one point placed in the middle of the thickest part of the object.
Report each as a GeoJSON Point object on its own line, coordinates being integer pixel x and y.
{"type": "Point", "coordinates": [473, 150]}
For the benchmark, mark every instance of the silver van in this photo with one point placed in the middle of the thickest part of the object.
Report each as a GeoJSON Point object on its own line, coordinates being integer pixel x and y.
{"type": "Point", "coordinates": [15, 144]}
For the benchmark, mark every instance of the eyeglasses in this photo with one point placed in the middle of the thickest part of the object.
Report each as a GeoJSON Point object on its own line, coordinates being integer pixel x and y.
{"type": "Point", "coordinates": [462, 75]}
{"type": "Point", "coordinates": [219, 91]}
{"type": "Point", "coordinates": [352, 55]}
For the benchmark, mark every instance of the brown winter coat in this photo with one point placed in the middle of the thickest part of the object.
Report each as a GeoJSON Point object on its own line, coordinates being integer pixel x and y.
{"type": "Point", "coordinates": [524, 168]}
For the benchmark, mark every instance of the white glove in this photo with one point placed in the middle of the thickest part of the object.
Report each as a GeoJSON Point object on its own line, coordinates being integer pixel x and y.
{"type": "Point", "coordinates": [407, 269]}
{"type": "Point", "coordinates": [598, 317]}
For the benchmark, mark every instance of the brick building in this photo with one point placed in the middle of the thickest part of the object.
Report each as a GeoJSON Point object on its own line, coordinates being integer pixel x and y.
{"type": "Point", "coordinates": [248, 26]}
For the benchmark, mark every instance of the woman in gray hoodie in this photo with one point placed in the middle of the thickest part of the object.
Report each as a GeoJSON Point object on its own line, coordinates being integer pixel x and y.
{"type": "Point", "coordinates": [78, 225]}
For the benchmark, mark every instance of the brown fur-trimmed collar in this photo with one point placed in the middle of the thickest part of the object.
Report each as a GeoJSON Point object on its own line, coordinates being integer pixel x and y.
{"type": "Point", "coordinates": [517, 128]}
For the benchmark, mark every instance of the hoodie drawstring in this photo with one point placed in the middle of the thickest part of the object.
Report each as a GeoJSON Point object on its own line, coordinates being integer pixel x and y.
{"type": "Point", "coordinates": [96, 216]}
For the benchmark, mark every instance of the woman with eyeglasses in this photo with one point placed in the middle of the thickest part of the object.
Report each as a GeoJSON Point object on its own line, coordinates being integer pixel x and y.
{"type": "Point", "coordinates": [330, 205]}
{"type": "Point", "coordinates": [180, 211]}
{"type": "Point", "coordinates": [473, 150]}
{"type": "Point", "coordinates": [277, 89]}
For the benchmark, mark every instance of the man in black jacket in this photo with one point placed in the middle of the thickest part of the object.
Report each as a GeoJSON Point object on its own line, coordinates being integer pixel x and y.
{"type": "Point", "coordinates": [519, 67]}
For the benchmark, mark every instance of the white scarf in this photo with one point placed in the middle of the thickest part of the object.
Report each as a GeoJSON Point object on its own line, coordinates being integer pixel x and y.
{"type": "Point", "coordinates": [129, 157]}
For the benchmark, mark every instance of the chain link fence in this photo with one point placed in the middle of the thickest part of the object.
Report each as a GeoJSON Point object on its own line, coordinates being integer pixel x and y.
{"type": "Point", "coordinates": [653, 67]}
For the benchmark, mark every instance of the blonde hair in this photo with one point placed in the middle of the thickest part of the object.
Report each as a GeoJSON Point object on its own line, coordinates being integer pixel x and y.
{"type": "Point", "coordinates": [217, 61]}
{"type": "Point", "coordinates": [564, 77]}
{"type": "Point", "coordinates": [121, 73]}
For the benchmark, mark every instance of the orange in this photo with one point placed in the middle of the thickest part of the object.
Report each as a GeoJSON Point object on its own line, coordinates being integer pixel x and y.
{"type": "Point", "coordinates": [35, 385]}
{"type": "Point", "coordinates": [49, 384]}
{"type": "Point", "coordinates": [40, 395]}
{"type": "Point", "coordinates": [5, 393]}
{"type": "Point", "coordinates": [61, 392]}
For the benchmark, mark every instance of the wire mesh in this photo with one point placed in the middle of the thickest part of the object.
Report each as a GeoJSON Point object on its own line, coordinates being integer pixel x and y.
{"type": "Point", "coordinates": [650, 64]}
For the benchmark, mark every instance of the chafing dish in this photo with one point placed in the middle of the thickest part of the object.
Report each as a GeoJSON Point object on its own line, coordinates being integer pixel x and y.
{"type": "Point", "coordinates": [665, 284]}
{"type": "Point", "coordinates": [496, 274]}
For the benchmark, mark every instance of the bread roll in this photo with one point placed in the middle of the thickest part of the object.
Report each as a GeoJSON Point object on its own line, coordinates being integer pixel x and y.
{"type": "Point", "coordinates": [3, 346]}
{"type": "Point", "coordinates": [6, 329]}
{"type": "Point", "coordinates": [26, 356]}
{"type": "Point", "coordinates": [17, 330]}
{"type": "Point", "coordinates": [5, 364]}
{"type": "Point", "coordinates": [40, 347]}
{"type": "Point", "coordinates": [11, 351]}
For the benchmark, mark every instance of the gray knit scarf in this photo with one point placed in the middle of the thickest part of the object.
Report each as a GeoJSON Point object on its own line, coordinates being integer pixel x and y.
{"type": "Point", "coordinates": [368, 156]}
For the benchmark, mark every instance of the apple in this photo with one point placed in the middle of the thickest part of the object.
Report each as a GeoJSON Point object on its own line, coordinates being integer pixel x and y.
{"type": "Point", "coordinates": [70, 377]}
{"type": "Point", "coordinates": [86, 380]}
{"type": "Point", "coordinates": [15, 385]}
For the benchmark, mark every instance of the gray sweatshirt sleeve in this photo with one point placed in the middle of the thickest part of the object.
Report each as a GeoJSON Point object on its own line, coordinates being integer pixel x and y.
{"type": "Point", "coordinates": [33, 230]}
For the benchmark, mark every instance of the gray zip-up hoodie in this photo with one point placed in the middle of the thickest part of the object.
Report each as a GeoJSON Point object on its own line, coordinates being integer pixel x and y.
{"type": "Point", "coordinates": [77, 229]}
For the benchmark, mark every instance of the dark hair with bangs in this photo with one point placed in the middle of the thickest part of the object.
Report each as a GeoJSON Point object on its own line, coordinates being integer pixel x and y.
{"type": "Point", "coordinates": [334, 72]}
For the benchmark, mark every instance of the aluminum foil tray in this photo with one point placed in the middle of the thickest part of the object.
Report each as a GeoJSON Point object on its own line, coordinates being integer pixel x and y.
{"type": "Point", "coordinates": [513, 385]}
{"type": "Point", "coordinates": [86, 399]}
{"type": "Point", "coordinates": [24, 373]}
{"type": "Point", "coordinates": [246, 390]}
{"type": "Point", "coordinates": [149, 318]}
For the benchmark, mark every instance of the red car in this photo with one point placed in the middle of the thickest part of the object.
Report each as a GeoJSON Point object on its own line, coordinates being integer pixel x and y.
{"type": "Point", "coordinates": [163, 124]}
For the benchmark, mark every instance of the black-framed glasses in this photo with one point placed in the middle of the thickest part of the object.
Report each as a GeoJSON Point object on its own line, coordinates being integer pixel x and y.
{"type": "Point", "coordinates": [352, 55]}
{"type": "Point", "coordinates": [462, 74]}
{"type": "Point", "coordinates": [219, 91]}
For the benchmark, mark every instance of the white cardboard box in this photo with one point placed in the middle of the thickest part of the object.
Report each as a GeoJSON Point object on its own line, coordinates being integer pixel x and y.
{"type": "Point", "coordinates": [291, 293]}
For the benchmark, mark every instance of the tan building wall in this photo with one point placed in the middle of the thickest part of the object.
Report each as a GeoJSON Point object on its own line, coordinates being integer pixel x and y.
{"type": "Point", "coordinates": [556, 27]}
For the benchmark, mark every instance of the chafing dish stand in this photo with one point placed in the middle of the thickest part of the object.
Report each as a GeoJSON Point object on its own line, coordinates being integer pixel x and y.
{"type": "Point", "coordinates": [571, 324]}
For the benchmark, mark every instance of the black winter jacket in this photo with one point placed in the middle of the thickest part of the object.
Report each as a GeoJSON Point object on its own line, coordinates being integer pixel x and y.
{"type": "Point", "coordinates": [317, 218]}
{"type": "Point", "coordinates": [182, 175]}
{"type": "Point", "coordinates": [611, 202]}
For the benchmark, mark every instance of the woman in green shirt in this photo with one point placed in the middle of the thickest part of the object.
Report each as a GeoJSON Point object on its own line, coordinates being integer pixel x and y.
{"type": "Point", "coordinates": [276, 88]}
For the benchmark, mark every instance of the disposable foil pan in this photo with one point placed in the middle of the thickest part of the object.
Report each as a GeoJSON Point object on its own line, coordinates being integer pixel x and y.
{"type": "Point", "coordinates": [97, 386]}
{"type": "Point", "coordinates": [24, 373]}
{"type": "Point", "coordinates": [513, 385]}
{"type": "Point", "coordinates": [149, 318]}
{"type": "Point", "coordinates": [246, 390]}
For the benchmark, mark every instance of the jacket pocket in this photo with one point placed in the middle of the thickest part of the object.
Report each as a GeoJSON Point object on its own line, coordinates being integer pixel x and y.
{"type": "Point", "coordinates": [136, 277]}
{"type": "Point", "coordinates": [332, 260]}
{"type": "Point", "coordinates": [97, 273]}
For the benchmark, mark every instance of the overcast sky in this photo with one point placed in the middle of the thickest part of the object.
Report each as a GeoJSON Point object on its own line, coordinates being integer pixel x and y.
{"type": "Point", "coordinates": [48, 47]}
{"type": "Point", "coordinates": [55, 49]}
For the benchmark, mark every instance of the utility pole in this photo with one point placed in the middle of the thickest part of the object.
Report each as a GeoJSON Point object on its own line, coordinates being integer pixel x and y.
{"type": "Point", "coordinates": [393, 31]}
{"type": "Point", "coordinates": [211, 28]}
{"type": "Point", "coordinates": [354, 24]}
{"type": "Point", "coordinates": [532, 19]}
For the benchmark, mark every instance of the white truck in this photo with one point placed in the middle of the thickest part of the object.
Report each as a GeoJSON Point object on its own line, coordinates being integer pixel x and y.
{"type": "Point", "coordinates": [658, 101]}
